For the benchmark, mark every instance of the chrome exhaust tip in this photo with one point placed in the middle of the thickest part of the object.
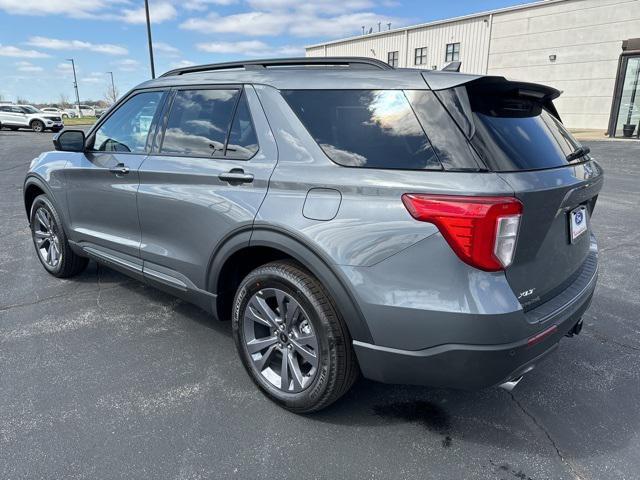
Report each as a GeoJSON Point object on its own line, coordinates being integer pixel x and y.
{"type": "Point", "coordinates": [511, 384]}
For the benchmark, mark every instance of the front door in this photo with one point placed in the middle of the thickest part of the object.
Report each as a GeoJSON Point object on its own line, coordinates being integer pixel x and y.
{"type": "Point", "coordinates": [102, 182]}
{"type": "Point", "coordinates": [207, 177]}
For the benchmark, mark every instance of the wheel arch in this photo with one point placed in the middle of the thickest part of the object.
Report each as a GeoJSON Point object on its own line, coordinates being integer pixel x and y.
{"type": "Point", "coordinates": [248, 249]}
{"type": "Point", "coordinates": [34, 186]}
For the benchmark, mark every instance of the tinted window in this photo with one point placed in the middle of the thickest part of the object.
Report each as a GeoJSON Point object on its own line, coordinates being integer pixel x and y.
{"type": "Point", "coordinates": [199, 122]}
{"type": "Point", "coordinates": [364, 128]}
{"type": "Point", "coordinates": [243, 143]}
{"type": "Point", "coordinates": [126, 130]}
{"type": "Point", "coordinates": [511, 132]}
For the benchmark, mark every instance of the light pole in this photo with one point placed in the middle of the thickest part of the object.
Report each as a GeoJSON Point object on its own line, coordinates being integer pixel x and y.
{"type": "Point", "coordinates": [146, 11]}
{"type": "Point", "coordinates": [75, 85]}
{"type": "Point", "coordinates": [113, 88]}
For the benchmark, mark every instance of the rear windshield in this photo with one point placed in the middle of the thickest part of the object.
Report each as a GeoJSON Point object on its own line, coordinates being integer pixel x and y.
{"type": "Point", "coordinates": [364, 128]}
{"type": "Point", "coordinates": [511, 132]}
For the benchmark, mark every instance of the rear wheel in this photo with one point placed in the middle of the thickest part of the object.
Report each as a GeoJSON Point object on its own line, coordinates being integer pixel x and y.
{"type": "Point", "coordinates": [50, 241]}
{"type": "Point", "coordinates": [37, 126]}
{"type": "Point", "coordinates": [291, 339]}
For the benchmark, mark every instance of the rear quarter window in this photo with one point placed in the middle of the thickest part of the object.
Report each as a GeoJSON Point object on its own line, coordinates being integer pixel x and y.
{"type": "Point", "coordinates": [364, 128]}
{"type": "Point", "coordinates": [509, 131]}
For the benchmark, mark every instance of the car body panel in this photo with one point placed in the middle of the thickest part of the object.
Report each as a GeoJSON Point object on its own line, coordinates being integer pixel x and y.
{"type": "Point", "coordinates": [186, 209]}
{"type": "Point", "coordinates": [409, 302]}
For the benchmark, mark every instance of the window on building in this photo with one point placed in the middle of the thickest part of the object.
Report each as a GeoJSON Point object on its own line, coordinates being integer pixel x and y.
{"type": "Point", "coordinates": [420, 56]}
{"type": "Point", "coordinates": [453, 52]}
{"type": "Point", "coordinates": [392, 58]}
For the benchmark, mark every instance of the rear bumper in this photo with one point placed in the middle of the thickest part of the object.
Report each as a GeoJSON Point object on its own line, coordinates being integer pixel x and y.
{"type": "Point", "coordinates": [472, 367]}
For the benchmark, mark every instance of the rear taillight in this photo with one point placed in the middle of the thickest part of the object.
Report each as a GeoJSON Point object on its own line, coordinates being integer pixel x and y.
{"type": "Point", "coordinates": [481, 230]}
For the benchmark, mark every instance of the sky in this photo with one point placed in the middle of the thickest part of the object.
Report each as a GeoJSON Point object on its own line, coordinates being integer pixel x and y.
{"type": "Point", "coordinates": [38, 36]}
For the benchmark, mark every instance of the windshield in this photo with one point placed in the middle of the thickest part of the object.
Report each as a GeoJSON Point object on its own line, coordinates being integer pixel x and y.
{"type": "Point", "coordinates": [30, 109]}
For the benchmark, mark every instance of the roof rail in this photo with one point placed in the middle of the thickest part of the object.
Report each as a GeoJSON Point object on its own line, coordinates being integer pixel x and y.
{"type": "Point", "coordinates": [357, 62]}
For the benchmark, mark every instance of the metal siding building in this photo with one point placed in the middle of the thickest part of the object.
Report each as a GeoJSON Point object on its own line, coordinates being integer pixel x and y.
{"type": "Point", "coordinates": [572, 45]}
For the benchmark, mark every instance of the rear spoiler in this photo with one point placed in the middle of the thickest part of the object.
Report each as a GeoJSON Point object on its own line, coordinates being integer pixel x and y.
{"type": "Point", "coordinates": [492, 84]}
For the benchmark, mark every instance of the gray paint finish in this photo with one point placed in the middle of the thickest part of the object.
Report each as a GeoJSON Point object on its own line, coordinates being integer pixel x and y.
{"type": "Point", "coordinates": [396, 280]}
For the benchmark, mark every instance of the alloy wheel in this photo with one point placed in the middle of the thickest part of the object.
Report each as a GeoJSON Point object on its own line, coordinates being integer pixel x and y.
{"type": "Point", "coordinates": [46, 238]}
{"type": "Point", "coordinates": [280, 340]}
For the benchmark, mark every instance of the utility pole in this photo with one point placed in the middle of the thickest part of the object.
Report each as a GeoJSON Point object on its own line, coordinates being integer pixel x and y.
{"type": "Point", "coordinates": [75, 85]}
{"type": "Point", "coordinates": [113, 88]}
{"type": "Point", "coordinates": [146, 11]}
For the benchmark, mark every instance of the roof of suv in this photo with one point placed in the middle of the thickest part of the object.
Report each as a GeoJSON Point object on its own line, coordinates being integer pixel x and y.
{"type": "Point", "coordinates": [313, 73]}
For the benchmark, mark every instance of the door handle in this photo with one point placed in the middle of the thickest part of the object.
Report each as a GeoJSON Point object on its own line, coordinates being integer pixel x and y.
{"type": "Point", "coordinates": [236, 176]}
{"type": "Point", "coordinates": [119, 169]}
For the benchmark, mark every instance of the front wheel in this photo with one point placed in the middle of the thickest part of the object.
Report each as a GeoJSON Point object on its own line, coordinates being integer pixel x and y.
{"type": "Point", "coordinates": [291, 339]}
{"type": "Point", "coordinates": [37, 126]}
{"type": "Point", "coordinates": [50, 241]}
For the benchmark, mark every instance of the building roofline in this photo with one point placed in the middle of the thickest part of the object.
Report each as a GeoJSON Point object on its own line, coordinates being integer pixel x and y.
{"type": "Point", "coordinates": [437, 22]}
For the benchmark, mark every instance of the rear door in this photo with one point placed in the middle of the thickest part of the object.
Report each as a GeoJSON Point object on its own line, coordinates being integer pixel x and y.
{"type": "Point", "coordinates": [14, 116]}
{"type": "Point", "coordinates": [206, 178]}
{"type": "Point", "coordinates": [515, 129]}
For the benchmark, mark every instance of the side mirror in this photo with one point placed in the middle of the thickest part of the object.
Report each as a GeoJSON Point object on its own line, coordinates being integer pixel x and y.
{"type": "Point", "coordinates": [69, 141]}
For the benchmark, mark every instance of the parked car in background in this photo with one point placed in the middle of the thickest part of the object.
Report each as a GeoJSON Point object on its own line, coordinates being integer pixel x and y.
{"type": "Point", "coordinates": [61, 113]}
{"type": "Point", "coordinates": [15, 117]}
{"type": "Point", "coordinates": [100, 112]}
{"type": "Point", "coordinates": [71, 112]}
{"type": "Point", "coordinates": [87, 111]}
{"type": "Point", "coordinates": [419, 227]}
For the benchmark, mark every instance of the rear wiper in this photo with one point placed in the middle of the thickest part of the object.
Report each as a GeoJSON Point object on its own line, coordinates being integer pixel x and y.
{"type": "Point", "coordinates": [577, 153]}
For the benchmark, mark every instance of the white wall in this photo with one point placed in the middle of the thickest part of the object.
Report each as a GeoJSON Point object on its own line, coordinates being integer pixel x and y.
{"type": "Point", "coordinates": [472, 34]}
{"type": "Point", "coordinates": [586, 37]}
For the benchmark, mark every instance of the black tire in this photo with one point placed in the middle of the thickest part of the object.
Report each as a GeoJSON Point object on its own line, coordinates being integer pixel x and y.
{"type": "Point", "coordinates": [37, 126]}
{"type": "Point", "coordinates": [337, 368]}
{"type": "Point", "coordinates": [69, 263]}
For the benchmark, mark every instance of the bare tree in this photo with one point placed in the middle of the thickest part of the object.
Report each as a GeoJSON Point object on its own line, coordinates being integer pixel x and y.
{"type": "Point", "coordinates": [63, 100]}
{"type": "Point", "coordinates": [22, 101]}
{"type": "Point", "coordinates": [1, 98]}
{"type": "Point", "coordinates": [111, 95]}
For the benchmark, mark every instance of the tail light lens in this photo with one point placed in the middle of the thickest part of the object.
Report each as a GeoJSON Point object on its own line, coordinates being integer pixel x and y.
{"type": "Point", "coordinates": [482, 231]}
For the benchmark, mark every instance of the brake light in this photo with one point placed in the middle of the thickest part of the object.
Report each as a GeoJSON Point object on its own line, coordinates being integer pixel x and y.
{"type": "Point", "coordinates": [482, 231]}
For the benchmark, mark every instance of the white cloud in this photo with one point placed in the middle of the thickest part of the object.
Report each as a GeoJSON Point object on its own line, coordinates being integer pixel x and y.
{"type": "Point", "coordinates": [254, 48]}
{"type": "Point", "coordinates": [28, 67]}
{"type": "Point", "coordinates": [158, 12]}
{"type": "Point", "coordinates": [165, 48]}
{"type": "Point", "coordinates": [182, 64]}
{"type": "Point", "coordinates": [11, 51]}
{"type": "Point", "coordinates": [127, 65]}
{"type": "Point", "coordinates": [57, 44]}
{"type": "Point", "coordinates": [309, 18]}
{"type": "Point", "coordinates": [202, 5]}
{"type": "Point", "coordinates": [249, 24]}
{"type": "Point", "coordinates": [72, 8]}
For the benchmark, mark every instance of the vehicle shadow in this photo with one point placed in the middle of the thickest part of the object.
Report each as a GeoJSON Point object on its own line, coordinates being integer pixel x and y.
{"type": "Point", "coordinates": [564, 405]}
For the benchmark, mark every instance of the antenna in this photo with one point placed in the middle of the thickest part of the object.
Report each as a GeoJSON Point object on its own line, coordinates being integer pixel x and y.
{"type": "Point", "coordinates": [389, 25]}
{"type": "Point", "coordinates": [379, 26]}
{"type": "Point", "coordinates": [363, 29]}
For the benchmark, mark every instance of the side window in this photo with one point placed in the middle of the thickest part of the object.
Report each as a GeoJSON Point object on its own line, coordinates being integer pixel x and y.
{"type": "Point", "coordinates": [199, 122]}
{"type": "Point", "coordinates": [126, 130]}
{"type": "Point", "coordinates": [364, 128]}
{"type": "Point", "coordinates": [243, 143]}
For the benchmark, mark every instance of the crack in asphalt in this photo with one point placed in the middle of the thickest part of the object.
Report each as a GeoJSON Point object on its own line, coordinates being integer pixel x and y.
{"type": "Point", "coordinates": [562, 458]}
{"type": "Point", "coordinates": [53, 297]}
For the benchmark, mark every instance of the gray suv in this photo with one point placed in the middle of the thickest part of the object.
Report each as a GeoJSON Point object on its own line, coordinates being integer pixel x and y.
{"type": "Point", "coordinates": [414, 226]}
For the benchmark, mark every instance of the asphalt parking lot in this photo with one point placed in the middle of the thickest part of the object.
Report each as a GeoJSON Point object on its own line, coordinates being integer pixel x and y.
{"type": "Point", "coordinates": [104, 377]}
